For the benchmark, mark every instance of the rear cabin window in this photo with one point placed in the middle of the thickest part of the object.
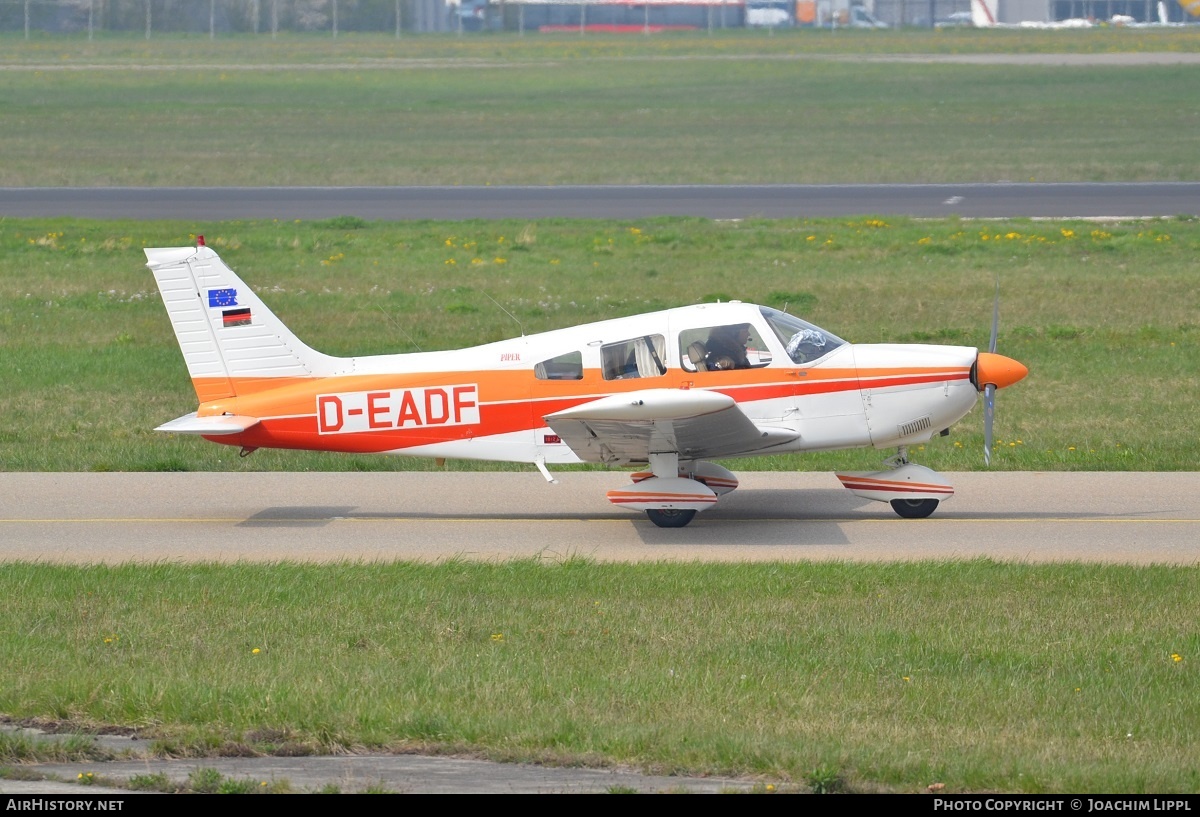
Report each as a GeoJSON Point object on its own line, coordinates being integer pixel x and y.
{"type": "Point", "coordinates": [636, 357]}
{"type": "Point", "coordinates": [563, 367]}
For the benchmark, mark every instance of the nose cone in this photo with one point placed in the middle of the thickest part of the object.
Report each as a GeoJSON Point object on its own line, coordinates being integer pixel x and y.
{"type": "Point", "coordinates": [997, 370]}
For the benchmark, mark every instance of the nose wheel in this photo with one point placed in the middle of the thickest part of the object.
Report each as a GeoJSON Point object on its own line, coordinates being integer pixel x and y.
{"type": "Point", "coordinates": [914, 508]}
{"type": "Point", "coordinates": [670, 517]}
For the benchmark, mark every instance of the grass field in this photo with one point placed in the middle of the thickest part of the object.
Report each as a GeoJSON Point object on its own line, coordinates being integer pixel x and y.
{"type": "Point", "coordinates": [739, 108]}
{"type": "Point", "coordinates": [980, 676]}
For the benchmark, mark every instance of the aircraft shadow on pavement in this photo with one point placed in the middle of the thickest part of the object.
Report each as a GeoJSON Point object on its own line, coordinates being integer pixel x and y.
{"type": "Point", "coordinates": [748, 506]}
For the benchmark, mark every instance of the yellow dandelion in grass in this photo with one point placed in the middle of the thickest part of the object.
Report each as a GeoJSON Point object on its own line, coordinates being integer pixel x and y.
{"type": "Point", "coordinates": [450, 242]}
{"type": "Point", "coordinates": [634, 231]}
{"type": "Point", "coordinates": [924, 240]}
{"type": "Point", "coordinates": [1176, 657]}
{"type": "Point", "coordinates": [907, 679]}
{"type": "Point", "coordinates": [499, 260]}
{"type": "Point", "coordinates": [555, 262]}
{"type": "Point", "coordinates": [451, 262]}
{"type": "Point", "coordinates": [811, 238]}
{"type": "Point", "coordinates": [770, 787]}
{"type": "Point", "coordinates": [498, 637]}
{"type": "Point", "coordinates": [476, 260]}
{"type": "Point", "coordinates": [255, 651]}
{"type": "Point", "coordinates": [1067, 233]}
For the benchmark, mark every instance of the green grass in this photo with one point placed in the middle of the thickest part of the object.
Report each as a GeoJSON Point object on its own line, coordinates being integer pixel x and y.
{"type": "Point", "coordinates": [735, 108]}
{"type": "Point", "coordinates": [369, 50]}
{"type": "Point", "coordinates": [1103, 314]}
{"type": "Point", "coordinates": [20, 748]}
{"type": "Point", "coordinates": [978, 675]}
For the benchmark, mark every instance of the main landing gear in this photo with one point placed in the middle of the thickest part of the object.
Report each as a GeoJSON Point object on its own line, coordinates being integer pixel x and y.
{"type": "Point", "coordinates": [672, 492]}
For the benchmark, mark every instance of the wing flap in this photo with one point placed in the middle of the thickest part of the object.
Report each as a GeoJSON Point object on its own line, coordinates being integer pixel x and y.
{"type": "Point", "coordinates": [694, 423]}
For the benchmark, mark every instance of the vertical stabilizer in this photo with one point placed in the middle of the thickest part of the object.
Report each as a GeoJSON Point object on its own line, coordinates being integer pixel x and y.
{"type": "Point", "coordinates": [229, 339]}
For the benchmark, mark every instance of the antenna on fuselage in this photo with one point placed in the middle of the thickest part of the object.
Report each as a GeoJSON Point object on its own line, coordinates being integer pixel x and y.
{"type": "Point", "coordinates": [396, 324]}
{"type": "Point", "coordinates": [520, 325]}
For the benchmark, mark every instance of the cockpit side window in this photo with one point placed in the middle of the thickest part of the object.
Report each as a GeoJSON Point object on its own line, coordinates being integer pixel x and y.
{"type": "Point", "coordinates": [636, 357]}
{"type": "Point", "coordinates": [804, 342]}
{"type": "Point", "coordinates": [722, 348]}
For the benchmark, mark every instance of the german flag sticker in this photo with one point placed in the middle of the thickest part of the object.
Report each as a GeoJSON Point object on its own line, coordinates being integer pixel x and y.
{"type": "Point", "coordinates": [236, 317]}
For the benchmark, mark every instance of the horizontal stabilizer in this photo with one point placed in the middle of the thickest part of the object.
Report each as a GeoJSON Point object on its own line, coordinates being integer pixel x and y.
{"type": "Point", "coordinates": [217, 425]}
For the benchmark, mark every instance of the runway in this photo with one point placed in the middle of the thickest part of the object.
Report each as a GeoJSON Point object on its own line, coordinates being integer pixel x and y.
{"type": "Point", "coordinates": [999, 200]}
{"type": "Point", "coordinates": [1133, 518]}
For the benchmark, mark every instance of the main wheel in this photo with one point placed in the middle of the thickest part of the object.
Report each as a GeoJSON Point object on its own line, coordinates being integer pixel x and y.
{"type": "Point", "coordinates": [671, 517]}
{"type": "Point", "coordinates": [914, 508]}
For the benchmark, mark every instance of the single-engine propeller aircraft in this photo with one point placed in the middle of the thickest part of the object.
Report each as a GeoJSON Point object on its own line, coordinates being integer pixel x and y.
{"type": "Point", "coordinates": [670, 390]}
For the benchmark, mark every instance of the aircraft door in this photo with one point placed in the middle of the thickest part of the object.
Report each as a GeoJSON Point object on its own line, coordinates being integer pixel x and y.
{"type": "Point", "coordinates": [556, 382]}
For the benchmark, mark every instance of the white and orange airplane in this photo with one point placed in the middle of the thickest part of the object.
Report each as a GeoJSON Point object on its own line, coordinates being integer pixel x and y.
{"type": "Point", "coordinates": [670, 390]}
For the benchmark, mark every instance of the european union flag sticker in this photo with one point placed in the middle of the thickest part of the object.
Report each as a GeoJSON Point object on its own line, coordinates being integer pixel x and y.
{"type": "Point", "coordinates": [222, 297]}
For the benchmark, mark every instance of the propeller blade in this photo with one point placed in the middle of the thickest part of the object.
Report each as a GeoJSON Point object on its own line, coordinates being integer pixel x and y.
{"type": "Point", "coordinates": [995, 319]}
{"type": "Point", "coordinates": [989, 413]}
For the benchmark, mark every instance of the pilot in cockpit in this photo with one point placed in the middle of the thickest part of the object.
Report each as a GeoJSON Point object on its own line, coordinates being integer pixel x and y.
{"type": "Point", "coordinates": [727, 347]}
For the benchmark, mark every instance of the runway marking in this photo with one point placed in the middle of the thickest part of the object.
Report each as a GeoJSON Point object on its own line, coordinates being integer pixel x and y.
{"type": "Point", "coordinates": [527, 520]}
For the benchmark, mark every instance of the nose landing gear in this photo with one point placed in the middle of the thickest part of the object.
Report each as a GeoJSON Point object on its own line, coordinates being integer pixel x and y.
{"type": "Point", "coordinates": [913, 491]}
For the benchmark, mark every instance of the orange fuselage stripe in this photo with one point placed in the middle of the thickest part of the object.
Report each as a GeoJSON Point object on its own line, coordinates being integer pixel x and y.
{"type": "Point", "coordinates": [509, 400]}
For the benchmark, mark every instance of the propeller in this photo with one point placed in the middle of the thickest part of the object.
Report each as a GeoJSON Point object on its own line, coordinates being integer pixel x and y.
{"type": "Point", "coordinates": [989, 389]}
{"type": "Point", "coordinates": [991, 372]}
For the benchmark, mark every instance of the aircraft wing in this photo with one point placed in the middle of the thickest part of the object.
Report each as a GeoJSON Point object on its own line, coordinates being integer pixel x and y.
{"type": "Point", "coordinates": [629, 427]}
{"type": "Point", "coordinates": [213, 426]}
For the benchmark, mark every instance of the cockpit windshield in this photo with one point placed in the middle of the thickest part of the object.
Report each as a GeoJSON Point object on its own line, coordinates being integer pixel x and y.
{"type": "Point", "coordinates": [803, 341]}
